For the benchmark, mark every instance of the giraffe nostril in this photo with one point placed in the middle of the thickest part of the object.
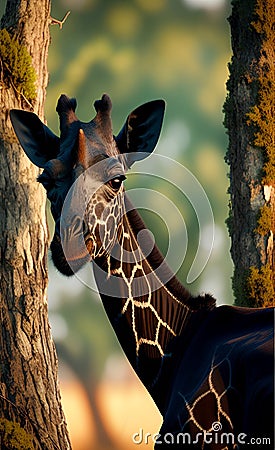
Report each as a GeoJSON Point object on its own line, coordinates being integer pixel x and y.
{"type": "Point", "coordinates": [78, 225]}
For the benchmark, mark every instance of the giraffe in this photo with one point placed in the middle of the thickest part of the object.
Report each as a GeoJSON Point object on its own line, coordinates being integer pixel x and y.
{"type": "Point", "coordinates": [208, 369]}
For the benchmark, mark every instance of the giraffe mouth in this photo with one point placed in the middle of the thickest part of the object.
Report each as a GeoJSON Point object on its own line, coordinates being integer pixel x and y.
{"type": "Point", "coordinates": [71, 260]}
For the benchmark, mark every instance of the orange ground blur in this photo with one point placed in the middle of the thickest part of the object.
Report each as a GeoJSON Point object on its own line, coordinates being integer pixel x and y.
{"type": "Point", "coordinates": [126, 407]}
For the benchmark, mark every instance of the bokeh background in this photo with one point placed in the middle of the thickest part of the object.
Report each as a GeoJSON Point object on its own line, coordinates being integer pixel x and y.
{"type": "Point", "coordinates": [136, 51]}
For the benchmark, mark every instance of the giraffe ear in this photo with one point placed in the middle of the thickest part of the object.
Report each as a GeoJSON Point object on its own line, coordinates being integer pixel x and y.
{"type": "Point", "coordinates": [38, 141]}
{"type": "Point", "coordinates": [141, 131]}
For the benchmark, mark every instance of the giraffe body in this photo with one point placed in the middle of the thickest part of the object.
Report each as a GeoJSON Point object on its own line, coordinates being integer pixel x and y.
{"type": "Point", "coordinates": [203, 365]}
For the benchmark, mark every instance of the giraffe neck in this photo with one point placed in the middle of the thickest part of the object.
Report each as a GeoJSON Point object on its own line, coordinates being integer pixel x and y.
{"type": "Point", "coordinates": [147, 306]}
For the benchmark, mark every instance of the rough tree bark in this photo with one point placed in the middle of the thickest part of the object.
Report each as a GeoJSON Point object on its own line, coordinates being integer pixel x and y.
{"type": "Point", "coordinates": [31, 415]}
{"type": "Point", "coordinates": [249, 118]}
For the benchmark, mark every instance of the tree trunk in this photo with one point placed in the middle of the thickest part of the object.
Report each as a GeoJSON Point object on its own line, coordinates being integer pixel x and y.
{"type": "Point", "coordinates": [31, 415]}
{"type": "Point", "coordinates": [249, 118]}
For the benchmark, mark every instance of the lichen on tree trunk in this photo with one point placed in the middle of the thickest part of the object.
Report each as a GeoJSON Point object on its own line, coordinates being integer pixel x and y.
{"type": "Point", "coordinates": [249, 119]}
{"type": "Point", "coordinates": [31, 415]}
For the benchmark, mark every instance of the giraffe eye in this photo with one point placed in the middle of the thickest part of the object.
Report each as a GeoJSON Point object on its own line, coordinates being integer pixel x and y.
{"type": "Point", "coordinates": [116, 182]}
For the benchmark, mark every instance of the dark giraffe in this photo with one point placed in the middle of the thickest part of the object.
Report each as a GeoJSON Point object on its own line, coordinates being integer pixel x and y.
{"type": "Point", "coordinates": [209, 369]}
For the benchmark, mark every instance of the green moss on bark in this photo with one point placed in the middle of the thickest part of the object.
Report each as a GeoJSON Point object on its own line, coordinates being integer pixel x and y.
{"type": "Point", "coordinates": [264, 220]}
{"type": "Point", "coordinates": [262, 114]}
{"type": "Point", "coordinates": [260, 286]}
{"type": "Point", "coordinates": [16, 66]}
{"type": "Point", "coordinates": [14, 437]}
{"type": "Point", "coordinates": [260, 281]}
{"type": "Point", "coordinates": [250, 121]}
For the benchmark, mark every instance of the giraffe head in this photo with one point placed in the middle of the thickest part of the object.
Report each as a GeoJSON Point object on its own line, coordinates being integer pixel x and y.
{"type": "Point", "coordinates": [83, 172]}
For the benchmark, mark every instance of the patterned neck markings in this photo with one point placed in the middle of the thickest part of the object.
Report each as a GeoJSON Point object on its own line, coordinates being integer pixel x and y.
{"type": "Point", "coordinates": [152, 311]}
